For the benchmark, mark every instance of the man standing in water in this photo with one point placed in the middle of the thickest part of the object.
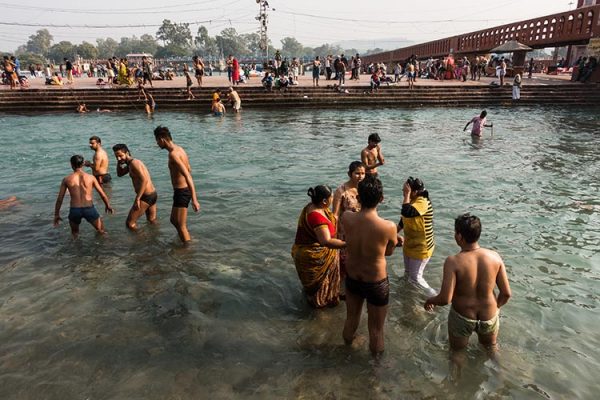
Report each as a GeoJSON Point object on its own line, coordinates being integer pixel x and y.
{"type": "Point", "coordinates": [478, 124]}
{"type": "Point", "coordinates": [100, 164]}
{"type": "Point", "coordinates": [80, 185]}
{"type": "Point", "coordinates": [145, 193]}
{"type": "Point", "coordinates": [369, 240]}
{"type": "Point", "coordinates": [469, 281]}
{"type": "Point", "coordinates": [181, 179]}
{"type": "Point", "coordinates": [371, 155]}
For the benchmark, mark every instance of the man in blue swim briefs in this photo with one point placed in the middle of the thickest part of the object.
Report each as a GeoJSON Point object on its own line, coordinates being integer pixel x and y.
{"type": "Point", "coordinates": [369, 239]}
{"type": "Point", "coordinates": [80, 186]}
{"type": "Point", "coordinates": [469, 280]}
{"type": "Point", "coordinates": [182, 181]}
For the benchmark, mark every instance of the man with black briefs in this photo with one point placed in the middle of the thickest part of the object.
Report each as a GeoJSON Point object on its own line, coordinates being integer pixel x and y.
{"type": "Point", "coordinates": [369, 240]}
{"type": "Point", "coordinates": [181, 178]}
{"type": "Point", "coordinates": [145, 193]}
{"type": "Point", "coordinates": [99, 165]}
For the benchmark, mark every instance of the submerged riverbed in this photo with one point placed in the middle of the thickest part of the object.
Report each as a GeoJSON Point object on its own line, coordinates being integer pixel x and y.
{"type": "Point", "coordinates": [138, 316]}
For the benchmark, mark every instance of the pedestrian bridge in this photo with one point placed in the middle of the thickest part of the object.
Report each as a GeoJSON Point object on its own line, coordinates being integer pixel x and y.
{"type": "Point", "coordinates": [574, 27]}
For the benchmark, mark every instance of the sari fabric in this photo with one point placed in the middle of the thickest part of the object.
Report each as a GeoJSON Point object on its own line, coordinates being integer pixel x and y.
{"type": "Point", "coordinates": [122, 78]}
{"type": "Point", "coordinates": [317, 266]}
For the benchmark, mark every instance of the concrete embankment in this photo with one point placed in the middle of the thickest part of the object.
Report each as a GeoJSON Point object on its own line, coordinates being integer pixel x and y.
{"type": "Point", "coordinates": [125, 99]}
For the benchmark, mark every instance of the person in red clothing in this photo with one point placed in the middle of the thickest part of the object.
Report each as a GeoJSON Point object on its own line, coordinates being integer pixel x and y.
{"type": "Point", "coordinates": [235, 74]}
{"type": "Point", "coordinates": [315, 249]}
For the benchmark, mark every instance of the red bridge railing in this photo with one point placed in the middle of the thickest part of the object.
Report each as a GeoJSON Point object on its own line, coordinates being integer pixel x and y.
{"type": "Point", "coordinates": [571, 27]}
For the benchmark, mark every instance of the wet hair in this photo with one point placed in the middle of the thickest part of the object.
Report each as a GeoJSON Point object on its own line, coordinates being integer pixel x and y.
{"type": "Point", "coordinates": [318, 194]}
{"type": "Point", "coordinates": [121, 147]}
{"type": "Point", "coordinates": [354, 165]}
{"type": "Point", "coordinates": [96, 138]}
{"type": "Point", "coordinates": [483, 114]}
{"type": "Point", "coordinates": [370, 191]}
{"type": "Point", "coordinates": [77, 161]}
{"type": "Point", "coordinates": [162, 132]}
{"type": "Point", "coordinates": [469, 227]}
{"type": "Point", "coordinates": [417, 186]}
{"type": "Point", "coordinates": [374, 137]}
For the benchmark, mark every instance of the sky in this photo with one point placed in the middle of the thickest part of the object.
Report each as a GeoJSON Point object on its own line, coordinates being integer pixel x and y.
{"type": "Point", "coordinates": [312, 22]}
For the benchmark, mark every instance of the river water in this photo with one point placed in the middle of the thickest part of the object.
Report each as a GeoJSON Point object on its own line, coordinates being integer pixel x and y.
{"type": "Point", "coordinates": [138, 316]}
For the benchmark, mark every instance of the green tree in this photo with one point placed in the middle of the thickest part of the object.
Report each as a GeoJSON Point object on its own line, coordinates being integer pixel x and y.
{"type": "Point", "coordinates": [308, 53]}
{"type": "Point", "coordinates": [147, 44]}
{"type": "Point", "coordinates": [231, 43]}
{"type": "Point", "coordinates": [205, 44]}
{"type": "Point", "coordinates": [291, 47]}
{"type": "Point", "coordinates": [40, 42]}
{"type": "Point", "coordinates": [106, 47]}
{"type": "Point", "coordinates": [253, 45]}
{"type": "Point", "coordinates": [176, 38]}
{"type": "Point", "coordinates": [87, 51]}
{"type": "Point", "coordinates": [26, 57]}
{"type": "Point", "coordinates": [326, 49]}
{"type": "Point", "coordinates": [62, 50]}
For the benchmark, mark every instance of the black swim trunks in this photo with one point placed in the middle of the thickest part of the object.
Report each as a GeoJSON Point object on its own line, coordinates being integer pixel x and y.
{"type": "Point", "coordinates": [182, 197]}
{"type": "Point", "coordinates": [102, 179]}
{"type": "Point", "coordinates": [77, 213]}
{"type": "Point", "coordinates": [149, 198]}
{"type": "Point", "coordinates": [376, 293]}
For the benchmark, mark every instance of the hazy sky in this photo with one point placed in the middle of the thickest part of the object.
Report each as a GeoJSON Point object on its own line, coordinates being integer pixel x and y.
{"type": "Point", "coordinates": [312, 22]}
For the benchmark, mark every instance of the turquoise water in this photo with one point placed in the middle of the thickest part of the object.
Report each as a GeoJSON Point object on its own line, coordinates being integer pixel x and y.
{"type": "Point", "coordinates": [138, 316]}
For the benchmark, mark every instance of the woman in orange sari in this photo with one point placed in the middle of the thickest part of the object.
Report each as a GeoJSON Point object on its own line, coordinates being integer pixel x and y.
{"type": "Point", "coordinates": [315, 250]}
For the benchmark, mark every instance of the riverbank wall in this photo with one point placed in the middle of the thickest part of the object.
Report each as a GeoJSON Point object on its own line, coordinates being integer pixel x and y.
{"type": "Point", "coordinates": [253, 97]}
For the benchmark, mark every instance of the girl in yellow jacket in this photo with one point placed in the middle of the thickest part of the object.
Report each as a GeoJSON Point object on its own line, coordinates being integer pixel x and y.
{"type": "Point", "coordinates": [417, 223]}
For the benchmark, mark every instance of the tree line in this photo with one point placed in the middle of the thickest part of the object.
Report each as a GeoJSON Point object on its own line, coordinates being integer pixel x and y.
{"type": "Point", "coordinates": [172, 40]}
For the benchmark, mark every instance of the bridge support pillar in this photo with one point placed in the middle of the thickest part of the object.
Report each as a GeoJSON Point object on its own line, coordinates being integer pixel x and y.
{"type": "Point", "coordinates": [519, 61]}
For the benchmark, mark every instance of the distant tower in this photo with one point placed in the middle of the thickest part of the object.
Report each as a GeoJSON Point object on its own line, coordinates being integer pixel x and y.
{"type": "Point", "coordinates": [262, 19]}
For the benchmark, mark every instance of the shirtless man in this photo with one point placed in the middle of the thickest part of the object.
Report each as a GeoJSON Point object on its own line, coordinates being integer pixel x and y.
{"type": "Point", "coordinates": [181, 179]}
{"type": "Point", "coordinates": [469, 280]}
{"type": "Point", "coordinates": [235, 100]}
{"type": "Point", "coordinates": [371, 155]}
{"type": "Point", "coordinates": [99, 165]}
{"type": "Point", "coordinates": [369, 240]}
{"type": "Point", "coordinates": [145, 193]}
{"type": "Point", "coordinates": [80, 185]}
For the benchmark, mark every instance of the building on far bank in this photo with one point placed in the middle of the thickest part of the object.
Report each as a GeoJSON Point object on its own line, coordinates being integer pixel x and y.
{"type": "Point", "coordinates": [136, 58]}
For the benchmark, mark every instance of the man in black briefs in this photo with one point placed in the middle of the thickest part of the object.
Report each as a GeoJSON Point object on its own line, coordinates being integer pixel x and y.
{"type": "Point", "coordinates": [181, 179]}
{"type": "Point", "coordinates": [145, 193]}
{"type": "Point", "coordinates": [369, 240]}
{"type": "Point", "coordinates": [99, 165]}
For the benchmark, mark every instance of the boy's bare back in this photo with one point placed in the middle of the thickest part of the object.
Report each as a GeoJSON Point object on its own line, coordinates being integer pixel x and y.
{"type": "Point", "coordinates": [476, 274]}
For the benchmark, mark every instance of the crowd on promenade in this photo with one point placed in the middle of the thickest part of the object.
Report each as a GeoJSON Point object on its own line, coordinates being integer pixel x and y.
{"type": "Point", "coordinates": [280, 72]}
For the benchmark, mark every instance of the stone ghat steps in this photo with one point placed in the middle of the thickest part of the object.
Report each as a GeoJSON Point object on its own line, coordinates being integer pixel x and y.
{"type": "Point", "coordinates": [44, 100]}
{"type": "Point", "coordinates": [320, 103]}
